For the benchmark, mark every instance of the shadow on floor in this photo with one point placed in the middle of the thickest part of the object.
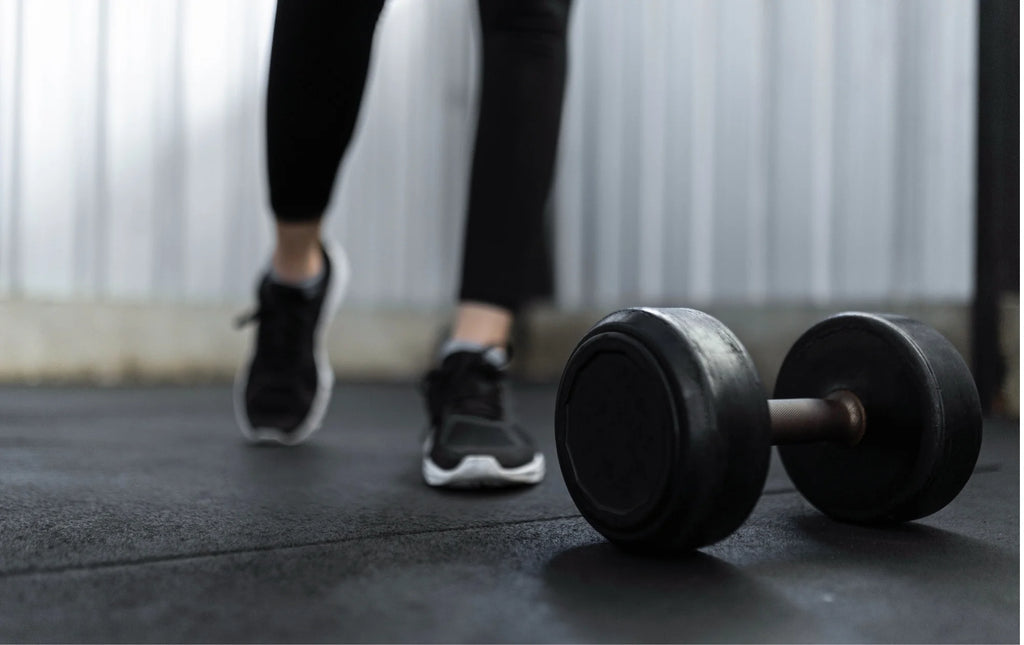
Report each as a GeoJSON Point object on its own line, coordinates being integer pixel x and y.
{"type": "Point", "coordinates": [611, 595]}
{"type": "Point", "coordinates": [916, 549]}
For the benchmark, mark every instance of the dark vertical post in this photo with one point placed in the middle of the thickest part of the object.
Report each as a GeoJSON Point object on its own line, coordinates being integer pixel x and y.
{"type": "Point", "coordinates": [998, 186]}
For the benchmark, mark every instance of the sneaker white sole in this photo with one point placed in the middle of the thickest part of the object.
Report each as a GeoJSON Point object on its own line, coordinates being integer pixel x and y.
{"type": "Point", "coordinates": [481, 471]}
{"type": "Point", "coordinates": [325, 374]}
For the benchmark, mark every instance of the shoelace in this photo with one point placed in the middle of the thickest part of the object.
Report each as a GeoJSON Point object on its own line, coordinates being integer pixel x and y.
{"type": "Point", "coordinates": [282, 330]}
{"type": "Point", "coordinates": [470, 387]}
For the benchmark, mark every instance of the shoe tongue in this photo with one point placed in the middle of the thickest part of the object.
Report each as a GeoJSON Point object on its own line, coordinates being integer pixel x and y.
{"type": "Point", "coordinates": [304, 291]}
{"type": "Point", "coordinates": [473, 386]}
{"type": "Point", "coordinates": [285, 293]}
{"type": "Point", "coordinates": [491, 356]}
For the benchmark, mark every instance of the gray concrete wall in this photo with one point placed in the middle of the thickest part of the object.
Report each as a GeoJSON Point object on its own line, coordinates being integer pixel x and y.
{"type": "Point", "coordinates": [85, 342]}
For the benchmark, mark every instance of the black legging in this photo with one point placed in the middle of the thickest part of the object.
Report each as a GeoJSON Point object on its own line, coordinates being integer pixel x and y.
{"type": "Point", "coordinates": [318, 65]}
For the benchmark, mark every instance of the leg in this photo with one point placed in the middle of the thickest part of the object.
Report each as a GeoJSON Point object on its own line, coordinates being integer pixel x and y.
{"type": "Point", "coordinates": [524, 66]}
{"type": "Point", "coordinates": [472, 441]}
{"type": "Point", "coordinates": [318, 66]}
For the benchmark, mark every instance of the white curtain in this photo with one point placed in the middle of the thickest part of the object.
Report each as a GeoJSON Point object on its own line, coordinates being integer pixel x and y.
{"type": "Point", "coordinates": [713, 151]}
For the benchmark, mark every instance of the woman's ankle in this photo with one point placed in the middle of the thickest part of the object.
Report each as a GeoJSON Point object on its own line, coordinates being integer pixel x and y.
{"type": "Point", "coordinates": [483, 324]}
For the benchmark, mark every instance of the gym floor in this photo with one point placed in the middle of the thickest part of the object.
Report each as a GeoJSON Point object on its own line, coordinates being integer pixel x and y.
{"type": "Point", "coordinates": [140, 515]}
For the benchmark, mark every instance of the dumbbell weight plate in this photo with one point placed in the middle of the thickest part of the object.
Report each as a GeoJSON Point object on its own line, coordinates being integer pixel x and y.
{"type": "Point", "coordinates": [662, 429]}
{"type": "Point", "coordinates": [922, 410]}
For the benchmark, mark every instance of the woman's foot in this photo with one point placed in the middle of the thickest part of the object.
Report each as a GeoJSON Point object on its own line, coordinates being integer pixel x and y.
{"type": "Point", "coordinates": [471, 441]}
{"type": "Point", "coordinates": [282, 390]}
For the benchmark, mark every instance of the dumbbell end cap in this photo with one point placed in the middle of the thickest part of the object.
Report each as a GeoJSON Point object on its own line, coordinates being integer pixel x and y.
{"type": "Point", "coordinates": [617, 428]}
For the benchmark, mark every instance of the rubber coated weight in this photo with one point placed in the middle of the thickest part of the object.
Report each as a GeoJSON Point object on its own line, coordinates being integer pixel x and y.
{"type": "Point", "coordinates": [923, 418]}
{"type": "Point", "coordinates": [662, 429]}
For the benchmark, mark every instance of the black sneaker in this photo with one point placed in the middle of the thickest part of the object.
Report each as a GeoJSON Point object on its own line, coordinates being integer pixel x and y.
{"type": "Point", "coordinates": [471, 442]}
{"type": "Point", "coordinates": [281, 392]}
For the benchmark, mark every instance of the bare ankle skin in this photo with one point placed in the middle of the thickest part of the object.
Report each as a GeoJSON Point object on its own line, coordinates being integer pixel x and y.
{"type": "Point", "coordinates": [297, 255]}
{"type": "Point", "coordinates": [482, 324]}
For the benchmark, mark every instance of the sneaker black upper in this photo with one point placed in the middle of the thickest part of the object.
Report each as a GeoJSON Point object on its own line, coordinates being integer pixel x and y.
{"type": "Point", "coordinates": [464, 399]}
{"type": "Point", "coordinates": [283, 377]}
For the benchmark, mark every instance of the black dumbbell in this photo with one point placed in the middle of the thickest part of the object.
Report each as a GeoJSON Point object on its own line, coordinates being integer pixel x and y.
{"type": "Point", "coordinates": [664, 433]}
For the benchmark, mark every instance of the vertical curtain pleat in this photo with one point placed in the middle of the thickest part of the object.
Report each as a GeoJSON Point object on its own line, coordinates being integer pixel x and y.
{"type": "Point", "coordinates": [712, 151]}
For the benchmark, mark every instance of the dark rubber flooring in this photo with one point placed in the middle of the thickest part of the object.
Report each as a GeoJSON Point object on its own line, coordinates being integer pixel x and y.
{"type": "Point", "coordinates": [140, 515]}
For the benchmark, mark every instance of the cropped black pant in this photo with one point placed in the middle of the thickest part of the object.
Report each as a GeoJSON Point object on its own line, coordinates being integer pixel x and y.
{"type": "Point", "coordinates": [318, 67]}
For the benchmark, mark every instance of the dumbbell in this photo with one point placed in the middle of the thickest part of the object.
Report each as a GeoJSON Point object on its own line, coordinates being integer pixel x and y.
{"type": "Point", "coordinates": [664, 433]}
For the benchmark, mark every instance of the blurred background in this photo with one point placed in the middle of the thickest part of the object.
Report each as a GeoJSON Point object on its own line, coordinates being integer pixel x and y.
{"type": "Point", "coordinates": [768, 161]}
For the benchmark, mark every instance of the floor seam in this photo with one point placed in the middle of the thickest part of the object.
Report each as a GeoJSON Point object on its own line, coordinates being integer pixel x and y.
{"type": "Point", "coordinates": [111, 564]}
{"type": "Point", "coordinates": [181, 557]}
